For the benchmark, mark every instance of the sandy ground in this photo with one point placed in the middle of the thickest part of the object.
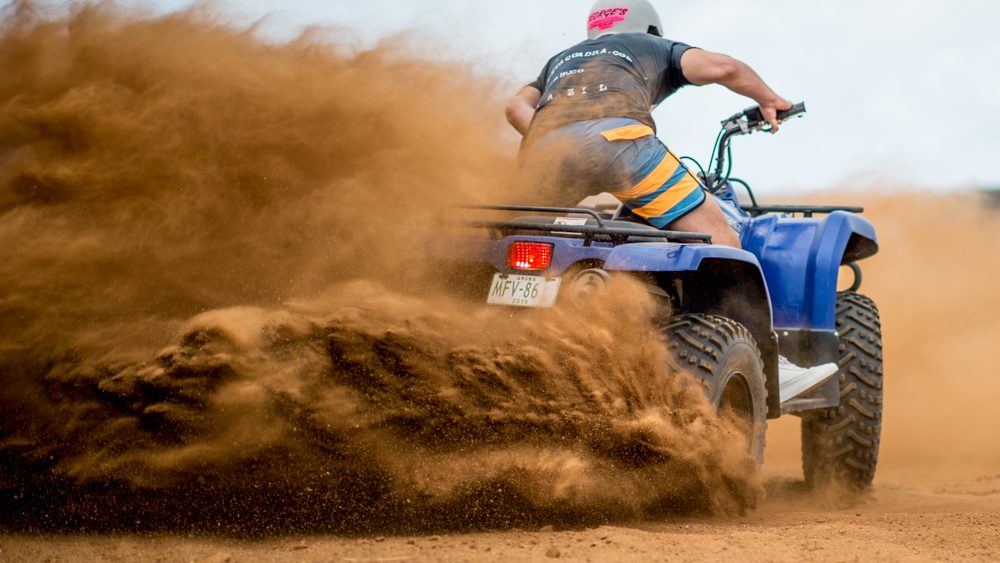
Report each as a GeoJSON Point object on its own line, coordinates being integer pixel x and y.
{"type": "Point", "coordinates": [953, 520]}
{"type": "Point", "coordinates": [934, 513]}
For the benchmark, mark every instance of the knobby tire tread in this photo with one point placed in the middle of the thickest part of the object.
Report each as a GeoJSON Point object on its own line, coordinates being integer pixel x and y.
{"type": "Point", "coordinates": [698, 341]}
{"type": "Point", "coordinates": [841, 444]}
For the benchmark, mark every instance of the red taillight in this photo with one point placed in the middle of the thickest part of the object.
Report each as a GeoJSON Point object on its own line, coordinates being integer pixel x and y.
{"type": "Point", "coordinates": [529, 256]}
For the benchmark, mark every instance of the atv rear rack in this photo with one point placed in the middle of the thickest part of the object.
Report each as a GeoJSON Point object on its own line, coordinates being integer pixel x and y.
{"type": "Point", "coordinates": [618, 235]}
{"type": "Point", "coordinates": [805, 210]}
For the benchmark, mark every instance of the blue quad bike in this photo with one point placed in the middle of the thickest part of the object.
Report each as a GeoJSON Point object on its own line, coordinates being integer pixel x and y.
{"type": "Point", "coordinates": [765, 328]}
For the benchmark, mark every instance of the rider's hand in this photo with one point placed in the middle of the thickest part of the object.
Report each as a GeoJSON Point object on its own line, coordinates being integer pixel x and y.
{"type": "Point", "coordinates": [769, 110]}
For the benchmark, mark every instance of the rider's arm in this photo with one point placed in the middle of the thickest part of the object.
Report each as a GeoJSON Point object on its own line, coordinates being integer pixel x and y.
{"type": "Point", "coordinates": [521, 108]}
{"type": "Point", "coordinates": [704, 67]}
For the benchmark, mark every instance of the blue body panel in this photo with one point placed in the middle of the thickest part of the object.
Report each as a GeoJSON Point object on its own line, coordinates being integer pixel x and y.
{"type": "Point", "coordinates": [636, 257]}
{"type": "Point", "coordinates": [671, 257]}
{"type": "Point", "coordinates": [801, 260]}
{"type": "Point", "coordinates": [798, 258]}
{"type": "Point", "coordinates": [565, 253]}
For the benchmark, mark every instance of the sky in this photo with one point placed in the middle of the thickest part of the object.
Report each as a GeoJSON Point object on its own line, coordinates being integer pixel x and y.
{"type": "Point", "coordinates": [899, 93]}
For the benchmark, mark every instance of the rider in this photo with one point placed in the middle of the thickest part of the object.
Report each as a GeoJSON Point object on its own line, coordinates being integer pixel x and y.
{"type": "Point", "coordinates": [586, 120]}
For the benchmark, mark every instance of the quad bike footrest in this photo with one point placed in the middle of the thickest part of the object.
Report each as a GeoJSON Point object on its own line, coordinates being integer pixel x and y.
{"type": "Point", "coordinates": [795, 381]}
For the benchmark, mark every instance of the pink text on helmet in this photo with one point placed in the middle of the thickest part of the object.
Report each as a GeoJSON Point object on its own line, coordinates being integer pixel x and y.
{"type": "Point", "coordinates": [607, 18]}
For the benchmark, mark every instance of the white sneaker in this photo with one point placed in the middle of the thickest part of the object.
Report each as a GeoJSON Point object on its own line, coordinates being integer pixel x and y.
{"type": "Point", "coordinates": [795, 380]}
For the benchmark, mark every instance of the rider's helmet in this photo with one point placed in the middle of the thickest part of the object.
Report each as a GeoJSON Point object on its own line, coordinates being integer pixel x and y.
{"type": "Point", "coordinates": [623, 16]}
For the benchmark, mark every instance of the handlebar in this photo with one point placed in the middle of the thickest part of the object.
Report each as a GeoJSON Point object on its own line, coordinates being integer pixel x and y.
{"type": "Point", "coordinates": [742, 123]}
{"type": "Point", "coordinates": [751, 118]}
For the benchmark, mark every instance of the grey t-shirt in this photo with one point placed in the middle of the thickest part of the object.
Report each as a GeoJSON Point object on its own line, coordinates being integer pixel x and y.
{"type": "Point", "coordinates": [621, 75]}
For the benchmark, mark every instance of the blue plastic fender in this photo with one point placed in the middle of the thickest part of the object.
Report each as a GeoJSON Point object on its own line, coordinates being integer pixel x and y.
{"type": "Point", "coordinates": [827, 255]}
{"type": "Point", "coordinates": [801, 259]}
{"type": "Point", "coordinates": [654, 257]}
{"type": "Point", "coordinates": [723, 280]}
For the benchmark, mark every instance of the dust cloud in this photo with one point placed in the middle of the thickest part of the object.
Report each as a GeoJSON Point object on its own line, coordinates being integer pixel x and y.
{"type": "Point", "coordinates": [216, 312]}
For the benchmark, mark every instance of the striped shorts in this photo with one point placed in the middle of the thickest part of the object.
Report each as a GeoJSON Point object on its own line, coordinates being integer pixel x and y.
{"type": "Point", "coordinates": [621, 156]}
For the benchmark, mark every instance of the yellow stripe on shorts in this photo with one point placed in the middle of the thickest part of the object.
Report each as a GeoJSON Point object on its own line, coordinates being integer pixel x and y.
{"type": "Point", "coordinates": [654, 181]}
{"type": "Point", "coordinates": [628, 133]}
{"type": "Point", "coordinates": [669, 199]}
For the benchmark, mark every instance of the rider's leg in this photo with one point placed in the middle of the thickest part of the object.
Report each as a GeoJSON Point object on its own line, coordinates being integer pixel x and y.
{"type": "Point", "coordinates": [665, 194]}
{"type": "Point", "coordinates": [708, 218]}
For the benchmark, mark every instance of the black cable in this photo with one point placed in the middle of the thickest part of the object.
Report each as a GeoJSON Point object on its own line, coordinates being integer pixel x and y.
{"type": "Point", "coordinates": [753, 199]}
{"type": "Point", "coordinates": [715, 147]}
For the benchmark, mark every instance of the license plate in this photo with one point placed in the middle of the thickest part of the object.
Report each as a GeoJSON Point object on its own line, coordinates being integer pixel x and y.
{"type": "Point", "coordinates": [523, 291]}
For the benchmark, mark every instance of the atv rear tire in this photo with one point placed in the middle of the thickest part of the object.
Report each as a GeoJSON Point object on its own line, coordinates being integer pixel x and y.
{"type": "Point", "coordinates": [723, 355]}
{"type": "Point", "coordinates": [841, 444]}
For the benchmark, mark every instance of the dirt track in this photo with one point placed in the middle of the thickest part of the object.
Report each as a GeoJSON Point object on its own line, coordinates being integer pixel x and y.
{"type": "Point", "coordinates": [951, 520]}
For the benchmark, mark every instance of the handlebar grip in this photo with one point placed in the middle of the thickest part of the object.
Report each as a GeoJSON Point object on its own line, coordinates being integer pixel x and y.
{"type": "Point", "coordinates": [755, 118]}
{"type": "Point", "coordinates": [753, 115]}
{"type": "Point", "coordinates": [790, 112]}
